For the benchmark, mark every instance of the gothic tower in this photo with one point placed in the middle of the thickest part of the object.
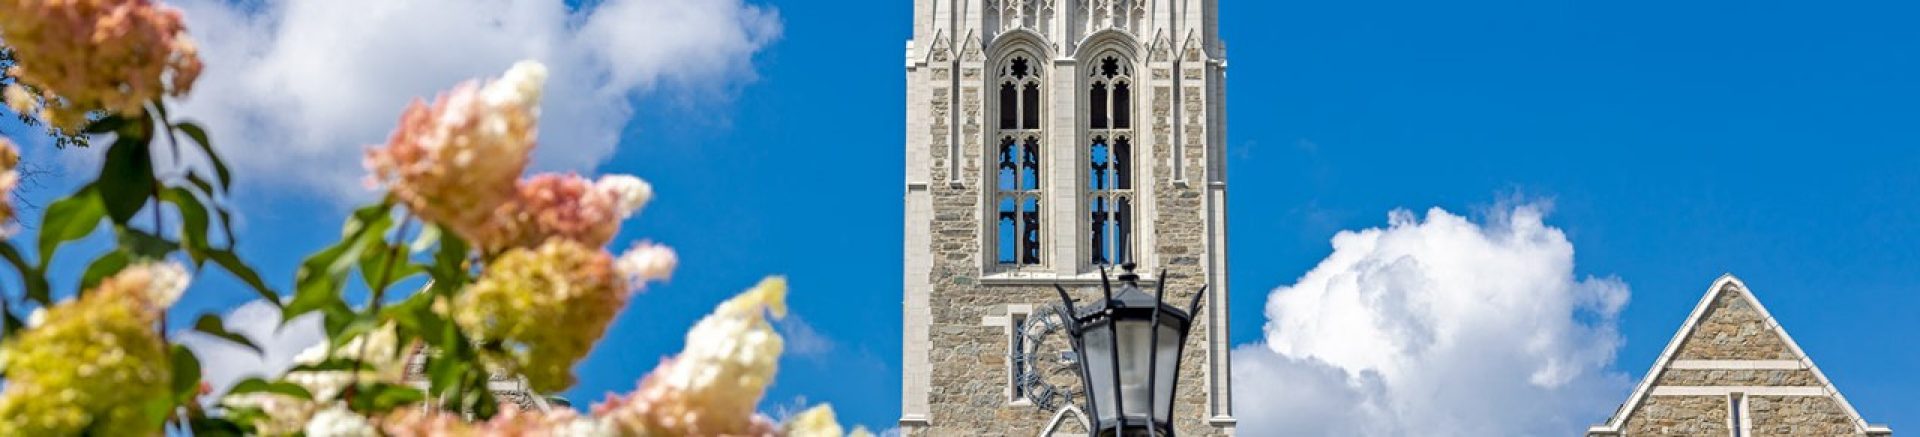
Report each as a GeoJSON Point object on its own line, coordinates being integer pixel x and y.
{"type": "Point", "coordinates": [1045, 140]}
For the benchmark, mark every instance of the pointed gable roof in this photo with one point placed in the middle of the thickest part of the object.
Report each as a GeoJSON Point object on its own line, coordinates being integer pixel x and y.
{"type": "Point", "coordinates": [1721, 327]}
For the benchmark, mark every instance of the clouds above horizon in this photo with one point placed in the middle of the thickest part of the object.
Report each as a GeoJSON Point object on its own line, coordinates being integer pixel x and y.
{"type": "Point", "coordinates": [1441, 326]}
{"type": "Point", "coordinates": [295, 90]}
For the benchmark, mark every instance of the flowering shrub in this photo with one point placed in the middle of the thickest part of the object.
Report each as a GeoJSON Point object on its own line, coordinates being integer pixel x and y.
{"type": "Point", "coordinates": [519, 278]}
{"type": "Point", "coordinates": [94, 55]}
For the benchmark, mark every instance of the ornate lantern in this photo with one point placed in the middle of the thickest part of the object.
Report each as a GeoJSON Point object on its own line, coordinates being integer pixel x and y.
{"type": "Point", "coordinates": [1129, 346]}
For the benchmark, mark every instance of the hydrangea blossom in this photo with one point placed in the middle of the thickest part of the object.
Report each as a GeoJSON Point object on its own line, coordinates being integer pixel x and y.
{"type": "Point", "coordinates": [565, 206]}
{"type": "Point", "coordinates": [647, 262]}
{"type": "Point", "coordinates": [546, 306]}
{"type": "Point", "coordinates": [711, 388]}
{"type": "Point", "coordinates": [564, 422]}
{"type": "Point", "coordinates": [94, 363]}
{"type": "Point", "coordinates": [87, 55]}
{"type": "Point", "coordinates": [338, 421]}
{"type": "Point", "coordinates": [9, 178]}
{"type": "Point", "coordinates": [455, 162]}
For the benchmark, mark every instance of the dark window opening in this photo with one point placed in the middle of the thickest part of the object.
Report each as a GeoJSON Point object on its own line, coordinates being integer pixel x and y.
{"type": "Point", "coordinates": [1122, 106]}
{"type": "Point", "coordinates": [1009, 107]}
{"type": "Point", "coordinates": [1109, 67]}
{"type": "Point", "coordinates": [1031, 113]}
{"type": "Point", "coordinates": [1122, 163]}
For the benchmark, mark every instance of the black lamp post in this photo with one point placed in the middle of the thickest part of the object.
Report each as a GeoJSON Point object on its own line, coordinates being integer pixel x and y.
{"type": "Point", "coordinates": [1129, 346]}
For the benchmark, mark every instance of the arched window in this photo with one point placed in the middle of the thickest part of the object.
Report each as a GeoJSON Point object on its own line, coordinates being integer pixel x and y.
{"type": "Point", "coordinates": [1109, 159]}
{"type": "Point", "coordinates": [1017, 192]}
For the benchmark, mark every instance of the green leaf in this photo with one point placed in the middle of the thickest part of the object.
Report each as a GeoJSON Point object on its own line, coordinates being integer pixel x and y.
{"type": "Point", "coordinates": [199, 136]}
{"type": "Point", "coordinates": [381, 397]}
{"type": "Point", "coordinates": [226, 259]}
{"type": "Point", "coordinates": [257, 385]}
{"type": "Point", "coordinates": [186, 375]}
{"type": "Point", "coordinates": [144, 246]}
{"type": "Point", "coordinates": [318, 282]}
{"type": "Point", "coordinates": [329, 365]}
{"type": "Point", "coordinates": [126, 178]}
{"type": "Point", "coordinates": [215, 427]}
{"type": "Point", "coordinates": [11, 323]}
{"type": "Point", "coordinates": [449, 268]}
{"type": "Point", "coordinates": [414, 317]}
{"type": "Point", "coordinates": [212, 325]}
{"type": "Point", "coordinates": [108, 124]}
{"type": "Point", "coordinates": [69, 219]}
{"type": "Point", "coordinates": [34, 280]}
{"type": "Point", "coordinates": [103, 267]}
{"type": "Point", "coordinates": [444, 373]}
{"type": "Point", "coordinates": [193, 222]}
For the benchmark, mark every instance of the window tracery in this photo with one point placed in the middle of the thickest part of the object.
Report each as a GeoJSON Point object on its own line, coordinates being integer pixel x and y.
{"type": "Point", "coordinates": [1017, 185]}
{"type": "Point", "coordinates": [1109, 162]}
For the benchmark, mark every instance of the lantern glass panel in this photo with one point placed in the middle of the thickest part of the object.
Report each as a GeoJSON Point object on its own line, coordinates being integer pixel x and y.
{"type": "Point", "coordinates": [1166, 369]}
{"type": "Point", "coordinates": [1097, 342]}
{"type": "Point", "coordinates": [1135, 351]}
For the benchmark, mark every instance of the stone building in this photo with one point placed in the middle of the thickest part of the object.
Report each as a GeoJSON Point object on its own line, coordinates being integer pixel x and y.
{"type": "Point", "coordinates": [1046, 139]}
{"type": "Point", "coordinates": [1733, 371]}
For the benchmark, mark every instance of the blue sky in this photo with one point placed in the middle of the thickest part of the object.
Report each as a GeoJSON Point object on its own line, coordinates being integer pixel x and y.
{"type": "Point", "coordinates": [1779, 141]}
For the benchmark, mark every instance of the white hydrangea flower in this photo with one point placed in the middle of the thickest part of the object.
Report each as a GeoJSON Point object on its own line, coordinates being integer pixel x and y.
{"type": "Point", "coordinates": [815, 422]}
{"type": "Point", "coordinates": [338, 421]}
{"type": "Point", "coordinates": [734, 350]}
{"type": "Point", "coordinates": [169, 280]}
{"type": "Point", "coordinates": [629, 193]}
{"type": "Point", "coordinates": [520, 86]}
{"type": "Point", "coordinates": [647, 262]}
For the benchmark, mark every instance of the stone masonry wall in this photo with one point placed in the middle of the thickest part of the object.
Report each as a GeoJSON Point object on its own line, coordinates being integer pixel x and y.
{"type": "Point", "coordinates": [1798, 416]}
{"type": "Point", "coordinates": [1733, 330]}
{"type": "Point", "coordinates": [1680, 415]}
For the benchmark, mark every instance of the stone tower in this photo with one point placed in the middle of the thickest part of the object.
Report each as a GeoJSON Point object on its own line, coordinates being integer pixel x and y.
{"type": "Point", "coordinates": [1733, 371]}
{"type": "Point", "coordinates": [1047, 139]}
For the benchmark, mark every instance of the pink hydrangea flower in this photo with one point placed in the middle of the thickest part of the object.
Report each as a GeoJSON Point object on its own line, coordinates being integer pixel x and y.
{"type": "Point", "coordinates": [455, 162]}
{"type": "Point", "coordinates": [87, 55]}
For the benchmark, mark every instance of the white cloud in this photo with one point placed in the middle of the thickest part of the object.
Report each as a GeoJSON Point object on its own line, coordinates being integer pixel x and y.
{"type": "Point", "coordinates": [223, 363]}
{"type": "Point", "coordinates": [803, 340]}
{"type": "Point", "coordinates": [1440, 326]}
{"type": "Point", "coordinates": [295, 89]}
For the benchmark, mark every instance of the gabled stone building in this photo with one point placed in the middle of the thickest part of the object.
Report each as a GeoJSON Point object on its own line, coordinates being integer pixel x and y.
{"type": "Point", "coordinates": [1732, 370]}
